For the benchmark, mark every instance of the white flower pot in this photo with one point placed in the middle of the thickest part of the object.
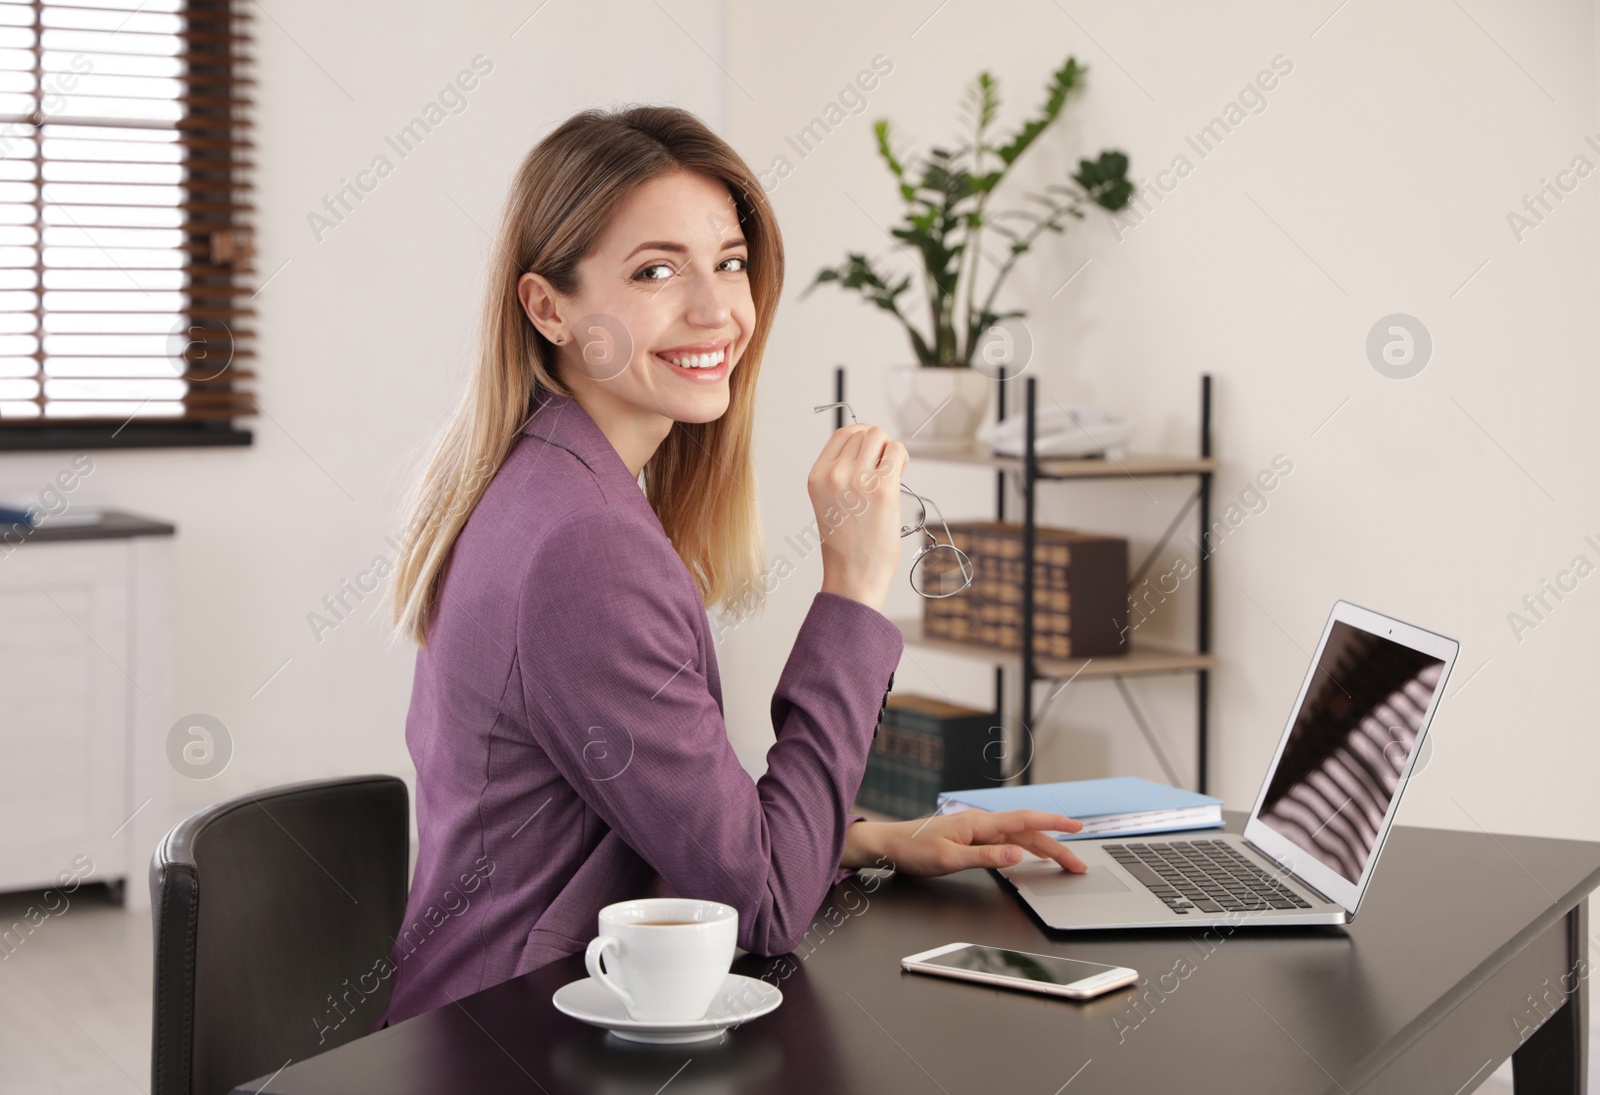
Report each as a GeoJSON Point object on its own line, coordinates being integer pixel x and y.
{"type": "Point", "coordinates": [937, 409]}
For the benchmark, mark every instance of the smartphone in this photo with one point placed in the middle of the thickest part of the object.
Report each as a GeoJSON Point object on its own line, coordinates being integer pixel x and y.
{"type": "Point", "coordinates": [1021, 970]}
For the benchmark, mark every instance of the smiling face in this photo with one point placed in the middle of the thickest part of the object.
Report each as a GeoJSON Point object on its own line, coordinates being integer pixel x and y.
{"type": "Point", "coordinates": [662, 315]}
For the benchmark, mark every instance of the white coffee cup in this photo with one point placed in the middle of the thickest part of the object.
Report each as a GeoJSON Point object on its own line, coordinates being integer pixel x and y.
{"type": "Point", "coordinates": [665, 957]}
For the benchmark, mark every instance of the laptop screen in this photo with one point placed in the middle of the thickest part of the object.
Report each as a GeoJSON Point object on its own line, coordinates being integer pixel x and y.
{"type": "Point", "coordinates": [1340, 769]}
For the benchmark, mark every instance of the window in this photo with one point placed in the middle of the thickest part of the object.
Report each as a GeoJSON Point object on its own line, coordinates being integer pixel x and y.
{"type": "Point", "coordinates": [124, 235]}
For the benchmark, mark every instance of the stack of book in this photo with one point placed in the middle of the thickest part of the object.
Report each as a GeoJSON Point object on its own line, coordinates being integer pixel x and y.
{"type": "Point", "coordinates": [1080, 584]}
{"type": "Point", "coordinates": [925, 746]}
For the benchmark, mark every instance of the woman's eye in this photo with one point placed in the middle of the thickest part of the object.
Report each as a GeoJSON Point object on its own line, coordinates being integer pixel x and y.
{"type": "Point", "coordinates": [643, 275]}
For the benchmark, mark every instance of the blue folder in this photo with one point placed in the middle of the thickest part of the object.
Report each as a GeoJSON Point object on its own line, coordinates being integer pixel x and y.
{"type": "Point", "coordinates": [1121, 805]}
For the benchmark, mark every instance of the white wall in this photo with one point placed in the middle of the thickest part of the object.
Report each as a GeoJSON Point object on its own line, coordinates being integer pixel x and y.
{"type": "Point", "coordinates": [1390, 156]}
{"type": "Point", "coordinates": [1377, 180]}
{"type": "Point", "coordinates": [364, 343]}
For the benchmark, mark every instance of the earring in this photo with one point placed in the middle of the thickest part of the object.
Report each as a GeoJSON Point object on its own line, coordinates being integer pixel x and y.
{"type": "Point", "coordinates": [559, 338]}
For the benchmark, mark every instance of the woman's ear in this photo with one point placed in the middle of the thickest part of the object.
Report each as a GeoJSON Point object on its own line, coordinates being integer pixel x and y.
{"type": "Point", "coordinates": [539, 304]}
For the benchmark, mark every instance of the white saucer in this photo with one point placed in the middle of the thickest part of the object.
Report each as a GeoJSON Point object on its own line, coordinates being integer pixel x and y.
{"type": "Point", "coordinates": [740, 998]}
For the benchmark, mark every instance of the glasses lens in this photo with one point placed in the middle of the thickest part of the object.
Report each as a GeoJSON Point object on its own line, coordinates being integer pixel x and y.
{"type": "Point", "coordinates": [913, 515]}
{"type": "Point", "coordinates": [942, 571]}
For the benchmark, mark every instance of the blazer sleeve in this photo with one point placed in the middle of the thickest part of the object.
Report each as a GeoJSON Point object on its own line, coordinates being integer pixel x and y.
{"type": "Point", "coordinates": [607, 652]}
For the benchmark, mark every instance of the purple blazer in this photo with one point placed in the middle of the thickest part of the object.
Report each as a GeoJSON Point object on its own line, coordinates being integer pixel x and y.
{"type": "Point", "coordinates": [566, 726]}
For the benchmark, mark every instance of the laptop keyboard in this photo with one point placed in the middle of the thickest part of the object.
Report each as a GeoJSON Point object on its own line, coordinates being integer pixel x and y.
{"type": "Point", "coordinates": [1208, 876]}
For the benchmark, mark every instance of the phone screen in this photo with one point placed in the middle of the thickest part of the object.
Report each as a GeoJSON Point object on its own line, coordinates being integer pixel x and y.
{"type": "Point", "coordinates": [1043, 968]}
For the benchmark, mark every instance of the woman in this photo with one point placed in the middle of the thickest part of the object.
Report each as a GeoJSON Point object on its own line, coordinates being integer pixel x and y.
{"type": "Point", "coordinates": [566, 715]}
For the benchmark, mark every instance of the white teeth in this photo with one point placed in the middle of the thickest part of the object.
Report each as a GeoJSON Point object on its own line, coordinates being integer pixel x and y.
{"type": "Point", "coordinates": [696, 361]}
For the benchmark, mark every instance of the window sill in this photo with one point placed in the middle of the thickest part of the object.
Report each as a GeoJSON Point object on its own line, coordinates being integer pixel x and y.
{"type": "Point", "coordinates": [132, 435]}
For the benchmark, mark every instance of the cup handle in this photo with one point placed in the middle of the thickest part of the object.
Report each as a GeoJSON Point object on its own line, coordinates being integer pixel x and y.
{"type": "Point", "coordinates": [591, 958]}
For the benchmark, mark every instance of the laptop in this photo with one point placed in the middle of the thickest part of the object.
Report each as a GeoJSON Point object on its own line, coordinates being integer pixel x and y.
{"type": "Point", "coordinates": [1325, 808]}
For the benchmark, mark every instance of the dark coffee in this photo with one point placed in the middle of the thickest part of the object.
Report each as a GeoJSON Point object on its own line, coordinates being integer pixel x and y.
{"type": "Point", "coordinates": [664, 923]}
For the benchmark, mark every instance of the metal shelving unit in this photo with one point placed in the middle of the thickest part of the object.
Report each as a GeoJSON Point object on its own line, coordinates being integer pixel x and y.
{"type": "Point", "coordinates": [1141, 659]}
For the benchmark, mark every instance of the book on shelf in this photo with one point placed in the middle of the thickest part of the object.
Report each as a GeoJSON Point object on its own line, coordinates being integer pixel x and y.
{"type": "Point", "coordinates": [1119, 806]}
{"type": "Point", "coordinates": [78, 515]}
{"type": "Point", "coordinates": [74, 516]}
{"type": "Point", "coordinates": [924, 746]}
{"type": "Point", "coordinates": [1079, 593]}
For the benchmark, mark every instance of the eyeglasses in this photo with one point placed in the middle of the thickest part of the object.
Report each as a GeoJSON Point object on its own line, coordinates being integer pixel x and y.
{"type": "Point", "coordinates": [938, 570]}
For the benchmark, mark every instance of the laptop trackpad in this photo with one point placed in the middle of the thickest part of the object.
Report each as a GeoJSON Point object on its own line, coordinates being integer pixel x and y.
{"type": "Point", "coordinates": [1052, 881]}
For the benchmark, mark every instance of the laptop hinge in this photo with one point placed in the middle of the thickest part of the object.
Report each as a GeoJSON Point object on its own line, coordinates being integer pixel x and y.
{"type": "Point", "coordinates": [1299, 879]}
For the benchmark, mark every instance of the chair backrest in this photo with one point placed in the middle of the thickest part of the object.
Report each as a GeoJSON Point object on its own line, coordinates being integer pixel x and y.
{"type": "Point", "coordinates": [274, 916]}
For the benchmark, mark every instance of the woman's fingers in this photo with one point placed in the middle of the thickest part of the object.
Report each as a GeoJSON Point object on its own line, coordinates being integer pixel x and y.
{"type": "Point", "coordinates": [994, 824]}
{"type": "Point", "coordinates": [838, 440]}
{"type": "Point", "coordinates": [948, 843]}
{"type": "Point", "coordinates": [961, 856]}
{"type": "Point", "coordinates": [1030, 829]}
{"type": "Point", "coordinates": [866, 448]}
{"type": "Point", "coordinates": [895, 458]}
{"type": "Point", "coordinates": [839, 454]}
{"type": "Point", "coordinates": [1047, 846]}
{"type": "Point", "coordinates": [846, 448]}
{"type": "Point", "coordinates": [1007, 852]}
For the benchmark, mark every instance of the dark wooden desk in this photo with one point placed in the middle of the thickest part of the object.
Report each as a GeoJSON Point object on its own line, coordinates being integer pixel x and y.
{"type": "Point", "coordinates": [1470, 949]}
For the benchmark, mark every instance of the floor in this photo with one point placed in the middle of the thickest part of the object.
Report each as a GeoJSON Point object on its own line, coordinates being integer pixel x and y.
{"type": "Point", "coordinates": [75, 1001]}
{"type": "Point", "coordinates": [74, 996]}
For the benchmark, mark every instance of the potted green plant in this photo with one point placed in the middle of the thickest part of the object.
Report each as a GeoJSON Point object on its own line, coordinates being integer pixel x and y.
{"type": "Point", "coordinates": [942, 398]}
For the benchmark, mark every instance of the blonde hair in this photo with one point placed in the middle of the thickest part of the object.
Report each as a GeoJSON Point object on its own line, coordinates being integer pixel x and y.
{"type": "Point", "coordinates": [701, 479]}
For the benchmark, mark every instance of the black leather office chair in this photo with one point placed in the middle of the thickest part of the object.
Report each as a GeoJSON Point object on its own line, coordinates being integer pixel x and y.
{"type": "Point", "coordinates": [269, 909]}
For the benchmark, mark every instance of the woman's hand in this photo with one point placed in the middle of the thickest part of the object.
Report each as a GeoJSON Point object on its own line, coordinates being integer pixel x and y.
{"type": "Point", "coordinates": [855, 491]}
{"type": "Point", "coordinates": [947, 843]}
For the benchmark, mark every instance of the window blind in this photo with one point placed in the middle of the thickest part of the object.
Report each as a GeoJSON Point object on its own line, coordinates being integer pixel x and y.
{"type": "Point", "coordinates": [125, 243]}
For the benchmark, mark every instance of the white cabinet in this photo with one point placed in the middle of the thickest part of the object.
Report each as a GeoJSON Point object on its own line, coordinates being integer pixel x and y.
{"type": "Point", "coordinates": [85, 669]}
